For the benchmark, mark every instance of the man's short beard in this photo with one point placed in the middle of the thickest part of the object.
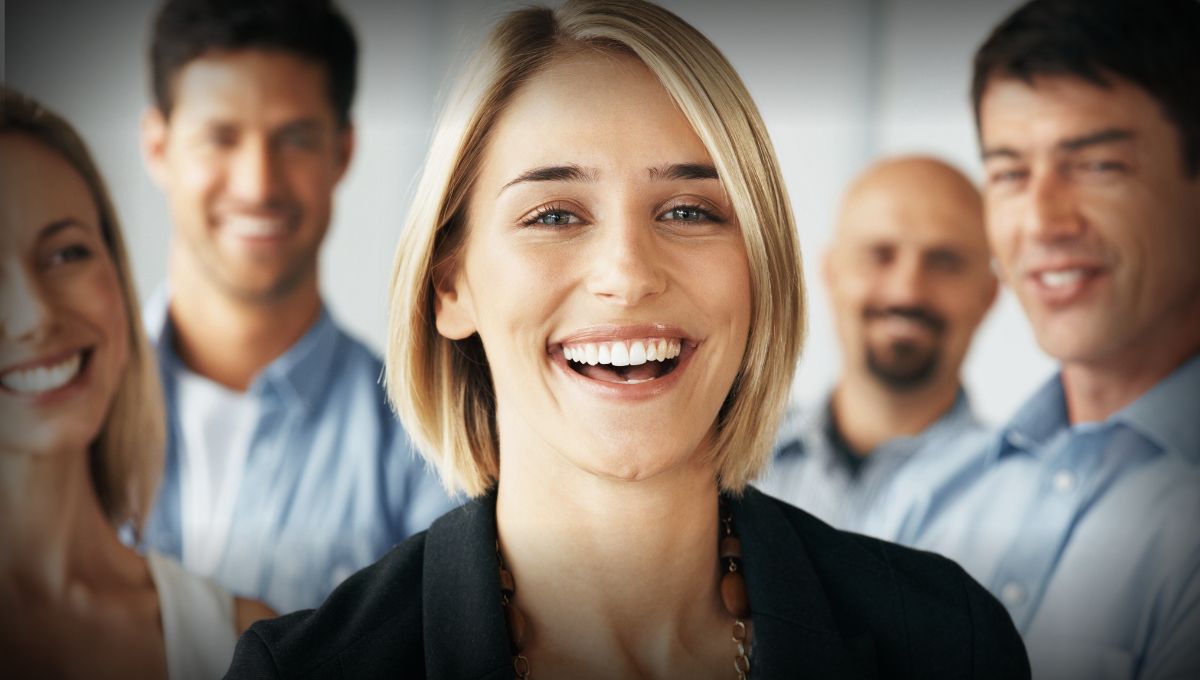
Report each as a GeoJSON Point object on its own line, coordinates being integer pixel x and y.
{"type": "Point", "coordinates": [907, 366]}
{"type": "Point", "coordinates": [281, 288]}
{"type": "Point", "coordinates": [903, 364]}
{"type": "Point", "coordinates": [284, 285]}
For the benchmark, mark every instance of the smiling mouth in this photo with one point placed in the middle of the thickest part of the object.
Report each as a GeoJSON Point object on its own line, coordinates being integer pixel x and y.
{"type": "Point", "coordinates": [1063, 278]}
{"type": "Point", "coordinates": [46, 378]}
{"type": "Point", "coordinates": [625, 362]}
{"type": "Point", "coordinates": [256, 228]}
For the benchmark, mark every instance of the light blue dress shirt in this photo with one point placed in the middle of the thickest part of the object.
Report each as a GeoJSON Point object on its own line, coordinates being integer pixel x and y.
{"type": "Point", "coordinates": [808, 472]}
{"type": "Point", "coordinates": [1089, 534]}
{"type": "Point", "coordinates": [330, 481]}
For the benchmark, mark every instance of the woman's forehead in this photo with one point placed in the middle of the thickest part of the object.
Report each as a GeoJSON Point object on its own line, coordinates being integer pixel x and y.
{"type": "Point", "coordinates": [602, 112]}
{"type": "Point", "coordinates": [40, 188]}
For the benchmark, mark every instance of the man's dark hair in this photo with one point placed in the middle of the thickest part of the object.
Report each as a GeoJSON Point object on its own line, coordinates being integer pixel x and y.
{"type": "Point", "coordinates": [1154, 44]}
{"type": "Point", "coordinates": [312, 29]}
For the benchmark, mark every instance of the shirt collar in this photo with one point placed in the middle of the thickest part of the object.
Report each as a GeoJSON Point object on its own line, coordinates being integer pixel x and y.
{"type": "Point", "coordinates": [300, 374]}
{"type": "Point", "coordinates": [1161, 415]}
{"type": "Point", "coordinates": [1036, 422]}
{"type": "Point", "coordinates": [1166, 413]}
{"type": "Point", "coordinates": [961, 416]}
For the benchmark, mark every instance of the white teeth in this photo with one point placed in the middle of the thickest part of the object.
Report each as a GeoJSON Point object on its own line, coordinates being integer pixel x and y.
{"type": "Point", "coordinates": [622, 353]}
{"type": "Point", "coordinates": [42, 378]}
{"type": "Point", "coordinates": [1058, 279]}
{"type": "Point", "coordinates": [254, 227]}
{"type": "Point", "coordinates": [637, 353]}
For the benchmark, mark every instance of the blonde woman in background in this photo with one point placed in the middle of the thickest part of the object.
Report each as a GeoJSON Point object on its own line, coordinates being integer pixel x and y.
{"type": "Point", "coordinates": [82, 436]}
{"type": "Point", "coordinates": [596, 311]}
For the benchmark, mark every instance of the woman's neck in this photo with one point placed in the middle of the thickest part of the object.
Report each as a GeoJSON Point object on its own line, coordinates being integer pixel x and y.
{"type": "Point", "coordinates": [55, 536]}
{"type": "Point", "coordinates": [612, 568]}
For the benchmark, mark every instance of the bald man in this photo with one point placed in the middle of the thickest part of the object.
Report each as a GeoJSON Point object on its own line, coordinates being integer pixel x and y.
{"type": "Point", "coordinates": [909, 279]}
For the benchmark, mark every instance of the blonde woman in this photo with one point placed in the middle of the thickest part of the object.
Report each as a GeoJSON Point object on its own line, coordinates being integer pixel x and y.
{"type": "Point", "coordinates": [81, 436]}
{"type": "Point", "coordinates": [596, 311]}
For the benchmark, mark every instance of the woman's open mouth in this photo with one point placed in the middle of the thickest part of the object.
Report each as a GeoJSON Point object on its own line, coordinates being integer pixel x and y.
{"type": "Point", "coordinates": [46, 377]}
{"type": "Point", "coordinates": [628, 362]}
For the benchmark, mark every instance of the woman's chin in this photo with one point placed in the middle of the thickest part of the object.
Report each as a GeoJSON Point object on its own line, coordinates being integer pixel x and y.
{"type": "Point", "coordinates": [626, 459]}
{"type": "Point", "coordinates": [47, 438]}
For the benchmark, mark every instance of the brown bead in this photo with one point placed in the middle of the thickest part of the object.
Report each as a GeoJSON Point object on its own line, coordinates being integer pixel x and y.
{"type": "Point", "coordinates": [733, 594]}
{"type": "Point", "coordinates": [516, 626]}
{"type": "Point", "coordinates": [507, 586]}
{"type": "Point", "coordinates": [742, 665]}
{"type": "Point", "coordinates": [740, 633]}
{"type": "Point", "coordinates": [731, 547]}
{"type": "Point", "coordinates": [521, 667]}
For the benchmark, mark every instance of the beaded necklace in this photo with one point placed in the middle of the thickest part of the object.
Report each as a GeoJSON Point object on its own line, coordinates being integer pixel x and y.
{"type": "Point", "coordinates": [733, 596]}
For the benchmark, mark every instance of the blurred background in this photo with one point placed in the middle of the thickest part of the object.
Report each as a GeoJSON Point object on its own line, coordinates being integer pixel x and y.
{"type": "Point", "coordinates": [838, 83]}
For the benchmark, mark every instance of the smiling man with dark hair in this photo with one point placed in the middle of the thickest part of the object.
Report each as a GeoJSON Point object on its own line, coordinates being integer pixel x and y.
{"type": "Point", "coordinates": [1082, 514]}
{"type": "Point", "coordinates": [286, 471]}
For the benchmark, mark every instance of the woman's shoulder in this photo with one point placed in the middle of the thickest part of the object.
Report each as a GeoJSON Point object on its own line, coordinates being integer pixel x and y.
{"type": "Point", "coordinates": [342, 637]}
{"type": "Point", "coordinates": [921, 610]}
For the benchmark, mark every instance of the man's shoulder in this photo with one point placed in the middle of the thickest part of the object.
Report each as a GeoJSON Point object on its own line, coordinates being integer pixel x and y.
{"type": "Point", "coordinates": [354, 380]}
{"type": "Point", "coordinates": [371, 622]}
{"type": "Point", "coordinates": [798, 428]}
{"type": "Point", "coordinates": [353, 352]}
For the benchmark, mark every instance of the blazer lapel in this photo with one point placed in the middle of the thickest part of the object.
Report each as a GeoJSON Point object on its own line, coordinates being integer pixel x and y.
{"type": "Point", "coordinates": [795, 633]}
{"type": "Point", "coordinates": [465, 632]}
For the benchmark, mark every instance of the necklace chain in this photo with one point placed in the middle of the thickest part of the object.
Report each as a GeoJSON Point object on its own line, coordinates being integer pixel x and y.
{"type": "Point", "coordinates": [733, 596]}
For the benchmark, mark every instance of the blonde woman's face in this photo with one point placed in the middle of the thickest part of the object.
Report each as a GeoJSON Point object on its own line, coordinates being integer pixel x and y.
{"type": "Point", "coordinates": [63, 323]}
{"type": "Point", "coordinates": [605, 273]}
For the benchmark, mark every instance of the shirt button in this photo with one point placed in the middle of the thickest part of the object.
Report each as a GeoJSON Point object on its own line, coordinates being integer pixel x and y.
{"type": "Point", "coordinates": [1064, 481]}
{"type": "Point", "coordinates": [1012, 593]}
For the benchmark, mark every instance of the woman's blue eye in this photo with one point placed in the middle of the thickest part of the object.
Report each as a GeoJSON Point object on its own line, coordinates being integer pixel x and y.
{"type": "Point", "coordinates": [552, 218]}
{"type": "Point", "coordinates": [689, 213]}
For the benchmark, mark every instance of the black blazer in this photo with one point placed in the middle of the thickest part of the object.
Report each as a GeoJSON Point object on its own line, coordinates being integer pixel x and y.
{"type": "Point", "coordinates": [825, 604]}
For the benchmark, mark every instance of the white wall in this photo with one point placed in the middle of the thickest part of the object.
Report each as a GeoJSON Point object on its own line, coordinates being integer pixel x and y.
{"type": "Point", "coordinates": [837, 83]}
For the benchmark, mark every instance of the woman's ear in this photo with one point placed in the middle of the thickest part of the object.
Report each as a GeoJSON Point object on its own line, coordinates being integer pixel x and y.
{"type": "Point", "coordinates": [452, 307]}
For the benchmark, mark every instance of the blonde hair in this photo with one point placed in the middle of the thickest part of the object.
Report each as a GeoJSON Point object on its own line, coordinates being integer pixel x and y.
{"type": "Point", "coordinates": [127, 456]}
{"type": "Point", "coordinates": [442, 389]}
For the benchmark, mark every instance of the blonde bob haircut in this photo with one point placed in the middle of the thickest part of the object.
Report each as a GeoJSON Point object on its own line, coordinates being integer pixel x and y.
{"type": "Point", "coordinates": [126, 457]}
{"type": "Point", "coordinates": [442, 389]}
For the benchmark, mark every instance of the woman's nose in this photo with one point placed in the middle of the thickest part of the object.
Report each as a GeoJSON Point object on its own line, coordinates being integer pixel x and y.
{"type": "Point", "coordinates": [627, 267]}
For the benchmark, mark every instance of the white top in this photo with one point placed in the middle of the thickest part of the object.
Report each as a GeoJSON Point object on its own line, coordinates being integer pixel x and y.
{"type": "Point", "coordinates": [216, 426]}
{"type": "Point", "coordinates": [199, 631]}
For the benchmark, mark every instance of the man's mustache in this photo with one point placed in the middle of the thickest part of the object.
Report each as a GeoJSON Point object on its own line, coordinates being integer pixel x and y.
{"type": "Point", "coordinates": [922, 315]}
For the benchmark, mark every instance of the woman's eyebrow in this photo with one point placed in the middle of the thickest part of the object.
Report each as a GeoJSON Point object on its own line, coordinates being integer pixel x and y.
{"type": "Point", "coordinates": [554, 173]}
{"type": "Point", "coordinates": [684, 171]}
{"type": "Point", "coordinates": [56, 226]}
{"type": "Point", "coordinates": [575, 173]}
